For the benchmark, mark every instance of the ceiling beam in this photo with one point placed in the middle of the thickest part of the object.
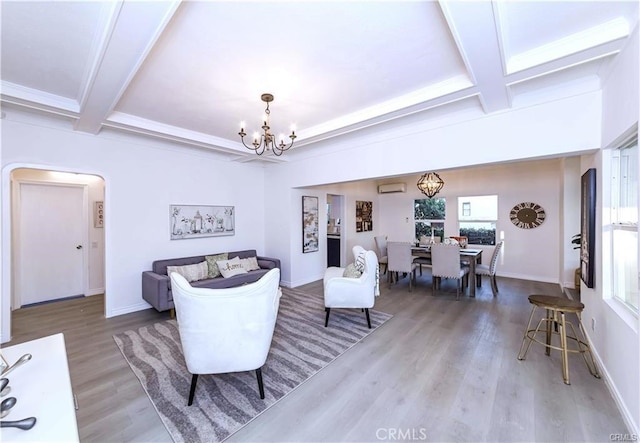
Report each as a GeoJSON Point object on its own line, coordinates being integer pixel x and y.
{"type": "Point", "coordinates": [474, 29]}
{"type": "Point", "coordinates": [133, 29]}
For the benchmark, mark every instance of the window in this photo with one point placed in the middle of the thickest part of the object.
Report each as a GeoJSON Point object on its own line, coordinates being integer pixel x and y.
{"type": "Point", "coordinates": [429, 216]}
{"type": "Point", "coordinates": [477, 217]}
{"type": "Point", "coordinates": [624, 219]}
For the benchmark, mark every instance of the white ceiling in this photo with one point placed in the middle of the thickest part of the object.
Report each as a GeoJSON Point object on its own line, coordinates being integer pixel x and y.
{"type": "Point", "coordinates": [191, 71]}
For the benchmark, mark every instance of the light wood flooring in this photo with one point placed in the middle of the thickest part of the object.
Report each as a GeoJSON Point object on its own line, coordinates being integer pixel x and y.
{"type": "Point", "coordinates": [440, 370]}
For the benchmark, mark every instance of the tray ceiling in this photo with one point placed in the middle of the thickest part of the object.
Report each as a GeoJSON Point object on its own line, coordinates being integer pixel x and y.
{"type": "Point", "coordinates": [191, 71]}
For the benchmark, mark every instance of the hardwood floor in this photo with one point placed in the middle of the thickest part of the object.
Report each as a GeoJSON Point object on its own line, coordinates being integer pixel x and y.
{"type": "Point", "coordinates": [439, 370]}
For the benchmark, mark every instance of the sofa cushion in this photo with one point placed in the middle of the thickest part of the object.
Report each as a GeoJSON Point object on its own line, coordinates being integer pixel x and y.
{"type": "Point", "coordinates": [212, 261]}
{"type": "Point", "coordinates": [250, 263]}
{"type": "Point", "coordinates": [351, 272]}
{"type": "Point", "coordinates": [360, 262]}
{"type": "Point", "coordinates": [229, 268]}
{"type": "Point", "coordinates": [191, 273]}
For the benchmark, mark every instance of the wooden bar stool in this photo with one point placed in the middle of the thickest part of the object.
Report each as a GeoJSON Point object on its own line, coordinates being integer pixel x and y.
{"type": "Point", "coordinates": [556, 308]}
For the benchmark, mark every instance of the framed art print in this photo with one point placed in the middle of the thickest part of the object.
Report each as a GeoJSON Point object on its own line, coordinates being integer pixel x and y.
{"type": "Point", "coordinates": [310, 224]}
{"type": "Point", "coordinates": [190, 221]}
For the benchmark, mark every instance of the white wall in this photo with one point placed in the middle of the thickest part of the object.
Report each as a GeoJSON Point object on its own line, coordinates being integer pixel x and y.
{"type": "Point", "coordinates": [615, 339]}
{"type": "Point", "coordinates": [530, 254]}
{"type": "Point", "coordinates": [569, 126]}
{"type": "Point", "coordinates": [141, 181]}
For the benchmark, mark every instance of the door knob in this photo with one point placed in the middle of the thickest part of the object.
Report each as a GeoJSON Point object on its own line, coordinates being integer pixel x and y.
{"type": "Point", "coordinates": [79, 247]}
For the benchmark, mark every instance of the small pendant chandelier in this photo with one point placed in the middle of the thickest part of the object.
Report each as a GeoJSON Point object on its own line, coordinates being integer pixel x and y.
{"type": "Point", "coordinates": [430, 184]}
{"type": "Point", "coordinates": [267, 141]}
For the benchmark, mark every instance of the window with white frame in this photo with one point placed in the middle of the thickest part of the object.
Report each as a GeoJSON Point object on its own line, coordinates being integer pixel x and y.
{"type": "Point", "coordinates": [624, 223]}
{"type": "Point", "coordinates": [477, 217]}
{"type": "Point", "coordinates": [429, 216]}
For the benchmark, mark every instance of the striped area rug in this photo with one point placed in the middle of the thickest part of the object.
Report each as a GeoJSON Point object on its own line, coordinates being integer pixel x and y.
{"type": "Point", "coordinates": [224, 403]}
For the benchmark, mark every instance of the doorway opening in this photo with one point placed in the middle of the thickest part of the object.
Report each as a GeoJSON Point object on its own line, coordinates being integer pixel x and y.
{"type": "Point", "coordinates": [335, 232]}
{"type": "Point", "coordinates": [57, 236]}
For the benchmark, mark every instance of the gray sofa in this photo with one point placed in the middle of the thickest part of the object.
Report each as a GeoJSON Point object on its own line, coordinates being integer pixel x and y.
{"type": "Point", "coordinates": [156, 285]}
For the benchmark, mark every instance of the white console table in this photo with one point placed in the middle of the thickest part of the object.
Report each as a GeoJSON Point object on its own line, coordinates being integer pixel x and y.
{"type": "Point", "coordinates": [42, 387]}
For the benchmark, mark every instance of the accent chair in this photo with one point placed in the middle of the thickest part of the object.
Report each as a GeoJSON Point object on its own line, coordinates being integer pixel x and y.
{"type": "Point", "coordinates": [350, 292]}
{"type": "Point", "coordinates": [226, 330]}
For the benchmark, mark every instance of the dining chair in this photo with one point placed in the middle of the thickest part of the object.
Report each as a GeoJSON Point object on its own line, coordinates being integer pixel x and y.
{"type": "Point", "coordinates": [422, 261]}
{"type": "Point", "coordinates": [400, 260]}
{"type": "Point", "coordinates": [490, 270]}
{"type": "Point", "coordinates": [381, 251]}
{"type": "Point", "coordinates": [445, 263]}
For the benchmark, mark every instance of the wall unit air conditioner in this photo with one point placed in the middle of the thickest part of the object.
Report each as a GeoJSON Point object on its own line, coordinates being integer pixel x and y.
{"type": "Point", "coordinates": [392, 187]}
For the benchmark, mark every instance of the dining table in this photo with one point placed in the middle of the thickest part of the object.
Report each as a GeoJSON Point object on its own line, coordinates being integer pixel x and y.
{"type": "Point", "coordinates": [474, 256]}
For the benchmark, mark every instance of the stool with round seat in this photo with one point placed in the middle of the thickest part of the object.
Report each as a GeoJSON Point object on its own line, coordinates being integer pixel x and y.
{"type": "Point", "coordinates": [556, 308]}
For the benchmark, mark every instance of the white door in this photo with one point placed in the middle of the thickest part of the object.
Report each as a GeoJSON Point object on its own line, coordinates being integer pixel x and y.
{"type": "Point", "coordinates": [50, 257]}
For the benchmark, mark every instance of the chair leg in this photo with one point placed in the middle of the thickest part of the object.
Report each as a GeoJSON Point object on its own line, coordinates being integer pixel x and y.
{"type": "Point", "coordinates": [326, 319]}
{"type": "Point", "coordinates": [260, 385]}
{"type": "Point", "coordinates": [366, 311]}
{"type": "Point", "coordinates": [494, 285]}
{"type": "Point", "coordinates": [192, 391]}
{"type": "Point", "coordinates": [412, 276]}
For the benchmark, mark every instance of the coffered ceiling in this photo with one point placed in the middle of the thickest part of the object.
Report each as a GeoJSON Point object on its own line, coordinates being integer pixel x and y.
{"type": "Point", "coordinates": [191, 71]}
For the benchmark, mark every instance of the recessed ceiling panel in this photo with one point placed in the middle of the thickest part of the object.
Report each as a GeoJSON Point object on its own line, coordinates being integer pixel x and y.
{"type": "Point", "coordinates": [527, 25]}
{"type": "Point", "coordinates": [576, 80]}
{"type": "Point", "coordinates": [47, 45]}
{"type": "Point", "coordinates": [320, 60]}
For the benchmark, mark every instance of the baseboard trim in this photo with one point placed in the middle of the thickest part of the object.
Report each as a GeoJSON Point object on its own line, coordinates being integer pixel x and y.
{"type": "Point", "coordinates": [632, 426]}
{"type": "Point", "coordinates": [128, 309]}
{"type": "Point", "coordinates": [94, 291]}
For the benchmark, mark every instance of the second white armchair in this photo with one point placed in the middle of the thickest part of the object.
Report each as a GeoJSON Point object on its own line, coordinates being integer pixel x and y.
{"type": "Point", "coordinates": [347, 292]}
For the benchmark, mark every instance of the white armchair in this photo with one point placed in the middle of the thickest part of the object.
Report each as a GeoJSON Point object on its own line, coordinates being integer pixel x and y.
{"type": "Point", "coordinates": [346, 292]}
{"type": "Point", "coordinates": [226, 330]}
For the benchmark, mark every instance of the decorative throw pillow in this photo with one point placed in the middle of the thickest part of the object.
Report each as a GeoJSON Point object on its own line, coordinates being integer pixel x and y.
{"type": "Point", "coordinates": [191, 273]}
{"type": "Point", "coordinates": [229, 268]}
{"type": "Point", "coordinates": [250, 263]}
{"type": "Point", "coordinates": [360, 262]}
{"type": "Point", "coordinates": [351, 272]}
{"type": "Point", "coordinates": [213, 266]}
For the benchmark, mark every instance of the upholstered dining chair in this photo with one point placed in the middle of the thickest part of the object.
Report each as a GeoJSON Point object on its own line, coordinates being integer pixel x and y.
{"type": "Point", "coordinates": [226, 330]}
{"type": "Point", "coordinates": [490, 269]}
{"type": "Point", "coordinates": [401, 260]}
{"type": "Point", "coordinates": [381, 251]}
{"type": "Point", "coordinates": [341, 291]}
{"type": "Point", "coordinates": [445, 263]}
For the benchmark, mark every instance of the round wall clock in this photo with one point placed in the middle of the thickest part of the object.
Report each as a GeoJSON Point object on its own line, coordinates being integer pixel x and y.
{"type": "Point", "coordinates": [527, 215]}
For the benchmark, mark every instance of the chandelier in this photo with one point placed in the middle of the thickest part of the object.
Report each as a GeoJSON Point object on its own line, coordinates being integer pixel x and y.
{"type": "Point", "coordinates": [430, 184]}
{"type": "Point", "coordinates": [267, 141]}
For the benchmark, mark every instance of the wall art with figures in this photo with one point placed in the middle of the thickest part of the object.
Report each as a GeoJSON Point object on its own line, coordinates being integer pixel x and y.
{"type": "Point", "coordinates": [190, 221]}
